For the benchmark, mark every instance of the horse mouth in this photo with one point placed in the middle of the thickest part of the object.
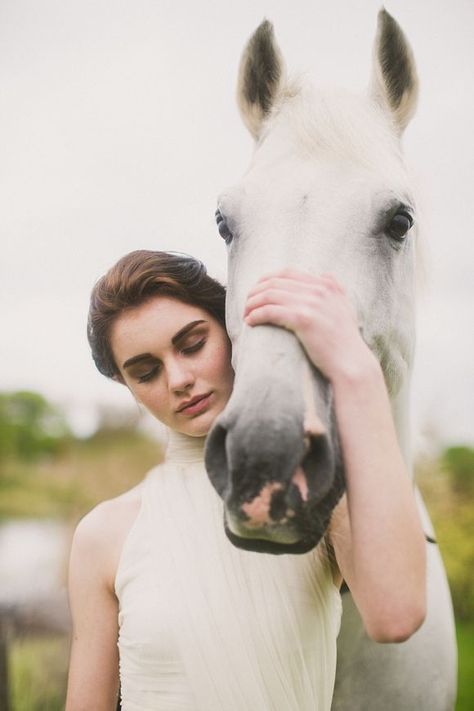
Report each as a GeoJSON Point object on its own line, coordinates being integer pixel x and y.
{"type": "Point", "coordinates": [265, 542]}
{"type": "Point", "coordinates": [272, 521]}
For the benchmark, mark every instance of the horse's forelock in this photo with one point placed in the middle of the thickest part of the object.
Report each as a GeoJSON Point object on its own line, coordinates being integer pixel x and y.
{"type": "Point", "coordinates": [337, 122]}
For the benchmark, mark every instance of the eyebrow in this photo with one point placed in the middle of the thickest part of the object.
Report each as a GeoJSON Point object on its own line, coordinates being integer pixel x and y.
{"type": "Point", "coordinates": [176, 338]}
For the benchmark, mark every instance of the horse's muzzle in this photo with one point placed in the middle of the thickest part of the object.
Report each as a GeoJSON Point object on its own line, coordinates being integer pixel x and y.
{"type": "Point", "coordinates": [279, 483]}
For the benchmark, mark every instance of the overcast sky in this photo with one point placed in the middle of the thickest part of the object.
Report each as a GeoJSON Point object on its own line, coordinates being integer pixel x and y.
{"type": "Point", "coordinates": [119, 128]}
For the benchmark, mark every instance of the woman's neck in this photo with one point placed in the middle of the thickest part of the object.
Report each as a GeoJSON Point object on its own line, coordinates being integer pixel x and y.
{"type": "Point", "coordinates": [184, 448]}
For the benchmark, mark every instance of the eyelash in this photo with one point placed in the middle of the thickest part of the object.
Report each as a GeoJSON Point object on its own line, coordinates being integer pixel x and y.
{"type": "Point", "coordinates": [156, 369]}
{"type": "Point", "coordinates": [151, 374]}
{"type": "Point", "coordinates": [196, 347]}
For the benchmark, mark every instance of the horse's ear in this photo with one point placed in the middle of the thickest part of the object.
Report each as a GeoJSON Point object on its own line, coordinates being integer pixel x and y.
{"type": "Point", "coordinates": [261, 77]}
{"type": "Point", "coordinates": [394, 80]}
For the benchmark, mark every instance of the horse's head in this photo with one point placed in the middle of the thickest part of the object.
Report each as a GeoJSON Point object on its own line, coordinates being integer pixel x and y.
{"type": "Point", "coordinates": [326, 191]}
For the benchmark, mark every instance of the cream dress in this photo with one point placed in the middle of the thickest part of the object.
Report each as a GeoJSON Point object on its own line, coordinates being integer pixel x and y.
{"type": "Point", "coordinates": [205, 626]}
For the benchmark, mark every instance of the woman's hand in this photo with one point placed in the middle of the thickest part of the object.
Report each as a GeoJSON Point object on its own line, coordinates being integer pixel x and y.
{"type": "Point", "coordinates": [318, 311]}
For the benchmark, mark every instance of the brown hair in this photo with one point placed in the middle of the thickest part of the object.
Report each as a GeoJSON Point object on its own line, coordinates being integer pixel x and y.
{"type": "Point", "coordinates": [136, 278]}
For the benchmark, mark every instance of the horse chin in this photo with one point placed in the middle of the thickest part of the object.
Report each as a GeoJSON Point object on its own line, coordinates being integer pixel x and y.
{"type": "Point", "coordinates": [297, 535]}
{"type": "Point", "coordinates": [267, 545]}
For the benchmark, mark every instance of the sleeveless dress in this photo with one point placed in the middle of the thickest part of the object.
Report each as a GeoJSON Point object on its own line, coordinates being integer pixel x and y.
{"type": "Point", "coordinates": [204, 626]}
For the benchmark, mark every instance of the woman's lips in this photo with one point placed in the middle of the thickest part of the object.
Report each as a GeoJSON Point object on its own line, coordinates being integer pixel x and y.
{"type": "Point", "coordinates": [196, 406]}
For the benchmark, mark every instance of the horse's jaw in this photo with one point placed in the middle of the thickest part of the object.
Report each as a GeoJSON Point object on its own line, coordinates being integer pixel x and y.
{"type": "Point", "coordinates": [400, 405]}
{"type": "Point", "coordinates": [274, 462]}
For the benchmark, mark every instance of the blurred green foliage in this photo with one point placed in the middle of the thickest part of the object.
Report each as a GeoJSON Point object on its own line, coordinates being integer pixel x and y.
{"type": "Point", "coordinates": [465, 637]}
{"type": "Point", "coordinates": [456, 540]}
{"type": "Point", "coordinates": [58, 475]}
{"type": "Point", "coordinates": [458, 462]}
{"type": "Point", "coordinates": [30, 426]}
{"type": "Point", "coordinates": [447, 484]}
{"type": "Point", "coordinates": [38, 673]}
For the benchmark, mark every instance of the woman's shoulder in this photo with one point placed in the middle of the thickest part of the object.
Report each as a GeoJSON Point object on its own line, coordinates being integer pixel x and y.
{"type": "Point", "coordinates": [108, 516]}
{"type": "Point", "coordinates": [101, 533]}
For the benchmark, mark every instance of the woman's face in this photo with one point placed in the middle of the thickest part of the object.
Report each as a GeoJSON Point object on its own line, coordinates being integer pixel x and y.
{"type": "Point", "coordinates": [175, 358]}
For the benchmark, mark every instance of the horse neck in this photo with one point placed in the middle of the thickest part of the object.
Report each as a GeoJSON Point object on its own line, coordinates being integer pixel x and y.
{"type": "Point", "coordinates": [400, 405]}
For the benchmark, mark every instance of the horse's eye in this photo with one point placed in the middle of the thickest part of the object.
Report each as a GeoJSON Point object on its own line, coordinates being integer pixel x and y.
{"type": "Point", "coordinates": [223, 228]}
{"type": "Point", "coordinates": [399, 225]}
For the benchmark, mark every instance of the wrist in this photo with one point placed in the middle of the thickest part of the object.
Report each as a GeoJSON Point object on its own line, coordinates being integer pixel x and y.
{"type": "Point", "coordinates": [361, 371]}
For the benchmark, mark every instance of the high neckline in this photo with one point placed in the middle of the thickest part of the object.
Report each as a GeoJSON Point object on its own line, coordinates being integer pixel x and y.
{"type": "Point", "coordinates": [183, 448]}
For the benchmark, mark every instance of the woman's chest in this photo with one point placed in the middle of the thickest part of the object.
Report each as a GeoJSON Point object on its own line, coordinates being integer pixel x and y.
{"type": "Point", "coordinates": [220, 596]}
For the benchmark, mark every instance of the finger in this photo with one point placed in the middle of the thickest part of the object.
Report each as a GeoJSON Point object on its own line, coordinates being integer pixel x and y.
{"type": "Point", "coordinates": [295, 301]}
{"type": "Point", "coordinates": [302, 281]}
{"type": "Point", "coordinates": [272, 314]}
{"type": "Point", "coordinates": [280, 289]}
{"type": "Point", "coordinates": [291, 273]}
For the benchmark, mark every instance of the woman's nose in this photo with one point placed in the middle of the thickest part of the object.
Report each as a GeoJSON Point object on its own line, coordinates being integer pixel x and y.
{"type": "Point", "coordinates": [180, 376]}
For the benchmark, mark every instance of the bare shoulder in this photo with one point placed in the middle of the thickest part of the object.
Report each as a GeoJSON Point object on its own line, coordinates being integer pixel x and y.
{"type": "Point", "coordinates": [101, 533]}
{"type": "Point", "coordinates": [110, 514]}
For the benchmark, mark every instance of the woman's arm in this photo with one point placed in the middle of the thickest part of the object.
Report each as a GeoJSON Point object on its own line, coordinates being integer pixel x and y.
{"type": "Point", "coordinates": [375, 530]}
{"type": "Point", "coordinates": [93, 674]}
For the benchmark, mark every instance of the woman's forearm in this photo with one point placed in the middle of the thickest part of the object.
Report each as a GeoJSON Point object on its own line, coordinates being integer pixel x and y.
{"type": "Point", "coordinates": [379, 541]}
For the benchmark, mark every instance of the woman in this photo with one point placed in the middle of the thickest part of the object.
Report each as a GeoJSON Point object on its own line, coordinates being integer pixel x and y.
{"type": "Point", "coordinates": [199, 623]}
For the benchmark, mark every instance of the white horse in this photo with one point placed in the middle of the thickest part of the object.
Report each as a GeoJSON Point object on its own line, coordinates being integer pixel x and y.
{"type": "Point", "coordinates": [327, 190]}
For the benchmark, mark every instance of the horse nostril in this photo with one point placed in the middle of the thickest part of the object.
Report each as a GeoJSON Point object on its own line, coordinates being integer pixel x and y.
{"type": "Point", "coordinates": [293, 497]}
{"type": "Point", "coordinates": [278, 505]}
{"type": "Point", "coordinates": [216, 460]}
{"type": "Point", "coordinates": [318, 468]}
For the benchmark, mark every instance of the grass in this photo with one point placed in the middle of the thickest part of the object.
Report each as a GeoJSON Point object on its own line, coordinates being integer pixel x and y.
{"type": "Point", "coordinates": [38, 669]}
{"type": "Point", "coordinates": [452, 512]}
{"type": "Point", "coordinates": [465, 636]}
{"type": "Point", "coordinates": [38, 673]}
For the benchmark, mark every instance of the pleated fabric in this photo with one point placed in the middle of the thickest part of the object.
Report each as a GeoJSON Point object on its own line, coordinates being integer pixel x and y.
{"type": "Point", "coordinates": [205, 626]}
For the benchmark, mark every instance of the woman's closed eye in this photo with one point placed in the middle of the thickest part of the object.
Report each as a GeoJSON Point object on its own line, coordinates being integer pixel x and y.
{"type": "Point", "coordinates": [154, 370]}
{"type": "Point", "coordinates": [150, 374]}
{"type": "Point", "coordinates": [193, 347]}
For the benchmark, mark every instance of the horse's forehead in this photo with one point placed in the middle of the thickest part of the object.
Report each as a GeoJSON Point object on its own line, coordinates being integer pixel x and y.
{"type": "Point", "coordinates": [302, 186]}
{"type": "Point", "coordinates": [332, 133]}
